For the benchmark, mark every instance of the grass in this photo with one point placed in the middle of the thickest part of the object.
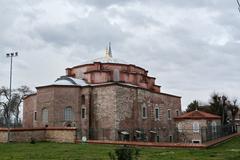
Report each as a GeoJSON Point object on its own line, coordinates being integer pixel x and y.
{"type": "Point", "coordinates": [54, 151]}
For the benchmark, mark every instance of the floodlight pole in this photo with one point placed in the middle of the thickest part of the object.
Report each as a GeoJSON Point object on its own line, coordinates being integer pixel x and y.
{"type": "Point", "coordinates": [238, 5]}
{"type": "Point", "coordinates": [10, 55]}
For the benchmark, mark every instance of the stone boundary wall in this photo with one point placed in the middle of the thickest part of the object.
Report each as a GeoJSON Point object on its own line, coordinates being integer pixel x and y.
{"type": "Point", "coordinates": [66, 134]}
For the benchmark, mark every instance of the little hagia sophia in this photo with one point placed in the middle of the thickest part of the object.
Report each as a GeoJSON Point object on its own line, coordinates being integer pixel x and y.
{"type": "Point", "coordinates": [105, 94]}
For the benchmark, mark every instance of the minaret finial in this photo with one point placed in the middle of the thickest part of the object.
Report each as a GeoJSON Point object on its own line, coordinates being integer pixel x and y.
{"type": "Point", "coordinates": [109, 50]}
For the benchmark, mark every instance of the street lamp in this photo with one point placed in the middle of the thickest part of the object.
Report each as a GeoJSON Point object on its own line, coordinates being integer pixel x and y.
{"type": "Point", "coordinates": [10, 55]}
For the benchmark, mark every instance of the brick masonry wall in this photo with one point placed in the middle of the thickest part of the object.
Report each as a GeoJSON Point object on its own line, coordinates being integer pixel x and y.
{"type": "Point", "coordinates": [56, 135]}
{"type": "Point", "coordinates": [39, 134]}
{"type": "Point", "coordinates": [27, 135]}
{"type": "Point", "coordinates": [29, 104]}
{"type": "Point", "coordinates": [129, 111]}
{"type": "Point", "coordinates": [45, 99]}
{"type": "Point", "coordinates": [3, 136]}
{"type": "Point", "coordinates": [65, 97]}
{"type": "Point", "coordinates": [114, 107]}
{"type": "Point", "coordinates": [104, 110]}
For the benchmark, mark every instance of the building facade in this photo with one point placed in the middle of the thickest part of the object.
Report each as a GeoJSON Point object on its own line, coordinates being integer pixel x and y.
{"type": "Point", "coordinates": [105, 99]}
{"type": "Point", "coordinates": [198, 126]}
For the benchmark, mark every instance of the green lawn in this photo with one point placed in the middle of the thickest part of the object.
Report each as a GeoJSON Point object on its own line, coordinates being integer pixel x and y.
{"type": "Point", "coordinates": [42, 151]}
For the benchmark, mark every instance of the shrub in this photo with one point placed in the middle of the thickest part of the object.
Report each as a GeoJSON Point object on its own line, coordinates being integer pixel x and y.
{"type": "Point", "coordinates": [125, 153]}
{"type": "Point", "coordinates": [32, 141]}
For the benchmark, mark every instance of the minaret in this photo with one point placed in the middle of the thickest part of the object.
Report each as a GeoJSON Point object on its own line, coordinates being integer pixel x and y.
{"type": "Point", "coordinates": [108, 51]}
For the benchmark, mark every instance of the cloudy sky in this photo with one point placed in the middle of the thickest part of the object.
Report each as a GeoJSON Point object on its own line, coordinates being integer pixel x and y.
{"type": "Point", "coordinates": [191, 47]}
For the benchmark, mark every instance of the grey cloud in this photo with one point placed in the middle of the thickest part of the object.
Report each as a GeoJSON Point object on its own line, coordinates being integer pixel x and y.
{"type": "Point", "coordinates": [93, 31]}
{"type": "Point", "coordinates": [191, 47]}
{"type": "Point", "coordinates": [102, 3]}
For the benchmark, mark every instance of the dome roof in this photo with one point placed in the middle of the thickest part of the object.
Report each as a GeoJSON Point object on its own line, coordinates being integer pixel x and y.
{"type": "Point", "coordinates": [107, 58]}
{"type": "Point", "coordinates": [65, 80]}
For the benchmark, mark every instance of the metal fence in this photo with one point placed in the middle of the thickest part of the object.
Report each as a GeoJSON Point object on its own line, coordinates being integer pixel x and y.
{"type": "Point", "coordinates": [158, 135]}
{"type": "Point", "coordinates": [151, 134]}
{"type": "Point", "coordinates": [220, 131]}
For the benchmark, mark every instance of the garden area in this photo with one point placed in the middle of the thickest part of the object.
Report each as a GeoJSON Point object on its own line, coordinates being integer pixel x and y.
{"type": "Point", "coordinates": [229, 150]}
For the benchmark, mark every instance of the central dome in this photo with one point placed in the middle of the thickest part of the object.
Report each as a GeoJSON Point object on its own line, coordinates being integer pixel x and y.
{"type": "Point", "coordinates": [110, 70]}
{"type": "Point", "coordinates": [108, 60]}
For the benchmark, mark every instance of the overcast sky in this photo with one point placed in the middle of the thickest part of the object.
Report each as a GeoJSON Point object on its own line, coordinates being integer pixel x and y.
{"type": "Point", "coordinates": [191, 47]}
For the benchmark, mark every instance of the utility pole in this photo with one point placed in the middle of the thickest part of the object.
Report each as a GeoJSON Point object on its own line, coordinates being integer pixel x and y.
{"type": "Point", "coordinates": [10, 55]}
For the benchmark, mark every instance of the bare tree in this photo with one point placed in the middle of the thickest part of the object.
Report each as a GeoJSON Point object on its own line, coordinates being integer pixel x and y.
{"type": "Point", "coordinates": [18, 99]}
{"type": "Point", "coordinates": [233, 108]}
{"type": "Point", "coordinates": [10, 107]}
{"type": "Point", "coordinates": [5, 104]}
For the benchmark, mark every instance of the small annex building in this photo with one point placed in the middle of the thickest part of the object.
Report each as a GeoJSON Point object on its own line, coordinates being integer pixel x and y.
{"type": "Point", "coordinates": [196, 126]}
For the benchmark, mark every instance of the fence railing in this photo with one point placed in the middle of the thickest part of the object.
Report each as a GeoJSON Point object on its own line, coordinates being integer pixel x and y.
{"type": "Point", "coordinates": [158, 135]}
{"type": "Point", "coordinates": [151, 134]}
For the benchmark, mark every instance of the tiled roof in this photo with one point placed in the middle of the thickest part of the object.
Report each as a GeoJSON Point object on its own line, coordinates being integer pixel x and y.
{"type": "Point", "coordinates": [198, 115]}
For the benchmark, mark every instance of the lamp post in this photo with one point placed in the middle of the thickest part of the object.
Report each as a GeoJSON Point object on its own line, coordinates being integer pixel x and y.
{"type": "Point", "coordinates": [10, 55]}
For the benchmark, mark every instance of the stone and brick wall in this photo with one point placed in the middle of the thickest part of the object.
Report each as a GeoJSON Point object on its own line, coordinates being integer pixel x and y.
{"type": "Point", "coordinates": [186, 133]}
{"type": "Point", "coordinates": [129, 112]}
{"type": "Point", "coordinates": [3, 135]}
{"type": "Point", "coordinates": [30, 105]}
{"type": "Point", "coordinates": [103, 111]}
{"type": "Point", "coordinates": [38, 134]}
{"type": "Point", "coordinates": [112, 107]}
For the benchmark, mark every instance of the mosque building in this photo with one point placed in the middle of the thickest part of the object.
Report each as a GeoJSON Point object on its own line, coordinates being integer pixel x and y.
{"type": "Point", "coordinates": [105, 98]}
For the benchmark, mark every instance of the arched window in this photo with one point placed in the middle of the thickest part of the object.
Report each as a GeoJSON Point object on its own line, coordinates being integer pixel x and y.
{"type": "Point", "coordinates": [179, 127]}
{"type": "Point", "coordinates": [196, 127]}
{"type": "Point", "coordinates": [169, 114]}
{"type": "Point", "coordinates": [144, 111]}
{"type": "Point", "coordinates": [83, 100]}
{"type": "Point", "coordinates": [116, 75]}
{"type": "Point", "coordinates": [157, 113]}
{"type": "Point", "coordinates": [68, 114]}
{"type": "Point", "coordinates": [45, 115]}
{"type": "Point", "coordinates": [83, 113]}
{"type": "Point", "coordinates": [214, 127]}
{"type": "Point", "coordinates": [177, 113]}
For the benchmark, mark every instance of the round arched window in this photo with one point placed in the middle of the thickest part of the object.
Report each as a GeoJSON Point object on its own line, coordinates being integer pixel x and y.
{"type": "Point", "coordinates": [196, 127]}
{"type": "Point", "coordinates": [68, 114]}
{"type": "Point", "coordinates": [45, 115]}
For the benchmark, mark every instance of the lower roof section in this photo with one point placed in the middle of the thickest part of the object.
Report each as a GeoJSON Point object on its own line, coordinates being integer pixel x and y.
{"type": "Point", "coordinates": [107, 84]}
